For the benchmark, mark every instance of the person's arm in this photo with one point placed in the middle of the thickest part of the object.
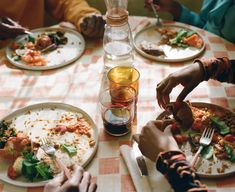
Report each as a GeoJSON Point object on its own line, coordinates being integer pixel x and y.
{"type": "Point", "coordinates": [179, 173]}
{"type": "Point", "coordinates": [70, 10]}
{"type": "Point", "coordinates": [161, 147]}
{"type": "Point", "coordinates": [228, 20]}
{"type": "Point", "coordinates": [190, 17]}
{"type": "Point", "coordinates": [178, 11]}
{"type": "Point", "coordinates": [221, 69]}
{"type": "Point", "coordinates": [10, 28]}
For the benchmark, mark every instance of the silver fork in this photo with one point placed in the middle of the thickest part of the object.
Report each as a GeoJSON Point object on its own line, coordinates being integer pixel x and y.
{"type": "Point", "coordinates": [50, 150]}
{"type": "Point", "coordinates": [158, 23]}
{"type": "Point", "coordinates": [205, 140]}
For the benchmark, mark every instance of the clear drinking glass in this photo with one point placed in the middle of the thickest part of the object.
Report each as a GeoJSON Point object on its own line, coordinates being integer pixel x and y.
{"type": "Point", "coordinates": [118, 109]}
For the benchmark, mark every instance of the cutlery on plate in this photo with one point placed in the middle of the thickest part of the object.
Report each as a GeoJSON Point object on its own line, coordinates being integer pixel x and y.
{"type": "Point", "coordinates": [158, 23]}
{"type": "Point", "coordinates": [204, 141]}
{"type": "Point", "coordinates": [50, 150]}
{"type": "Point", "coordinates": [51, 47]}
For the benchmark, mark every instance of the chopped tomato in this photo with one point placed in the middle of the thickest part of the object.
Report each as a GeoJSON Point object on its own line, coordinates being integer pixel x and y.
{"type": "Point", "coordinates": [229, 138]}
{"type": "Point", "coordinates": [174, 128]}
{"type": "Point", "coordinates": [11, 172]}
{"type": "Point", "coordinates": [14, 46]}
{"type": "Point", "coordinates": [180, 139]}
{"type": "Point", "coordinates": [193, 40]}
{"type": "Point", "coordinates": [61, 128]}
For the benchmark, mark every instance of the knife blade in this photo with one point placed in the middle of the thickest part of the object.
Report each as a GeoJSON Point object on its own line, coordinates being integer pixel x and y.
{"type": "Point", "coordinates": [142, 166]}
{"type": "Point", "coordinates": [140, 160]}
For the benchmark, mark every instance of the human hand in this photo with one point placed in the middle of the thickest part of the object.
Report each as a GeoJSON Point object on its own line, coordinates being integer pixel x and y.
{"type": "Point", "coordinates": [170, 6]}
{"type": "Point", "coordinates": [152, 140]}
{"type": "Point", "coordinates": [92, 26]}
{"type": "Point", "coordinates": [80, 181]}
{"type": "Point", "coordinates": [189, 77]}
{"type": "Point", "coordinates": [10, 28]}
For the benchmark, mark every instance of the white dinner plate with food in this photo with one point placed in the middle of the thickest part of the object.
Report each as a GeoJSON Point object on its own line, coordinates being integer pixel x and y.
{"type": "Point", "coordinates": [217, 160]}
{"type": "Point", "coordinates": [46, 48]}
{"type": "Point", "coordinates": [170, 43]}
{"type": "Point", "coordinates": [69, 129]}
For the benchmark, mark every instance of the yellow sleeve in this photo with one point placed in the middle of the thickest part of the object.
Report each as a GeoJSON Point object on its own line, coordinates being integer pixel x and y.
{"type": "Point", "coordinates": [70, 10]}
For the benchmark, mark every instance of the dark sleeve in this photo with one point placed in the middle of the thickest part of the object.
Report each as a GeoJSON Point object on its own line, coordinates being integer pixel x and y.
{"type": "Point", "coordinates": [221, 69]}
{"type": "Point", "coordinates": [179, 173]}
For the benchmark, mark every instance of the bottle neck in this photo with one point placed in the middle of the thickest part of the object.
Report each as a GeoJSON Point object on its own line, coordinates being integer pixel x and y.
{"type": "Point", "coordinates": [117, 17]}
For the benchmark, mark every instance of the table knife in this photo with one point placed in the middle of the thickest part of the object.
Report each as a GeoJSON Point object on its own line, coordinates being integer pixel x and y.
{"type": "Point", "coordinates": [142, 166]}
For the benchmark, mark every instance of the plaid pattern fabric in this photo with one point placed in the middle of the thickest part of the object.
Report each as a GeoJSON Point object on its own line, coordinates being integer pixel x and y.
{"type": "Point", "coordinates": [79, 84]}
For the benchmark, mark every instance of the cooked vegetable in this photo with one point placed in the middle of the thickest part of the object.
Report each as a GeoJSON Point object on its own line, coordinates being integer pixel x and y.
{"type": "Point", "coordinates": [17, 58]}
{"type": "Point", "coordinates": [44, 171]}
{"type": "Point", "coordinates": [71, 150]}
{"type": "Point", "coordinates": [30, 50]}
{"type": "Point", "coordinates": [193, 40]}
{"type": "Point", "coordinates": [230, 152]}
{"type": "Point", "coordinates": [58, 38]}
{"type": "Point", "coordinates": [31, 39]}
{"type": "Point", "coordinates": [5, 133]}
{"type": "Point", "coordinates": [178, 37]}
{"type": "Point", "coordinates": [220, 125]}
{"type": "Point", "coordinates": [207, 152]}
{"type": "Point", "coordinates": [185, 38]}
{"type": "Point", "coordinates": [194, 138]}
{"type": "Point", "coordinates": [230, 138]}
{"type": "Point", "coordinates": [32, 168]}
{"type": "Point", "coordinates": [14, 170]}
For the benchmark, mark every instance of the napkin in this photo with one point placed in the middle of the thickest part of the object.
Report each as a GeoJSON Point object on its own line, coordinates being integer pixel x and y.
{"type": "Point", "coordinates": [154, 182]}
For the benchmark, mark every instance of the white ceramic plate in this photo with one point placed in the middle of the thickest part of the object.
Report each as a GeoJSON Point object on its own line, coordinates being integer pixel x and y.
{"type": "Point", "coordinates": [173, 54]}
{"type": "Point", "coordinates": [203, 164]}
{"type": "Point", "coordinates": [26, 119]}
{"type": "Point", "coordinates": [60, 57]}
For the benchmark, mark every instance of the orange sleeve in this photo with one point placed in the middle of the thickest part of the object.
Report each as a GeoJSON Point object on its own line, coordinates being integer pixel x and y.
{"type": "Point", "coordinates": [70, 10]}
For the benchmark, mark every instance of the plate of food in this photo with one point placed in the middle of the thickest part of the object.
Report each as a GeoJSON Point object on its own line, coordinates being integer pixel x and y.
{"type": "Point", "coordinates": [69, 129]}
{"type": "Point", "coordinates": [46, 48]}
{"type": "Point", "coordinates": [170, 43]}
{"type": "Point", "coordinates": [218, 159]}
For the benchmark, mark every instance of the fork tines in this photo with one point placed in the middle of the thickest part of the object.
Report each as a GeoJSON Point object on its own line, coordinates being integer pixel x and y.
{"type": "Point", "coordinates": [208, 132]}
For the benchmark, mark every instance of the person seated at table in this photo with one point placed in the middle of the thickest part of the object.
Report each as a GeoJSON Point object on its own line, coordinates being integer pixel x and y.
{"type": "Point", "coordinates": [30, 14]}
{"type": "Point", "coordinates": [169, 159]}
{"type": "Point", "coordinates": [215, 16]}
{"type": "Point", "coordinates": [221, 69]}
{"type": "Point", "coordinates": [161, 147]}
{"type": "Point", "coordinates": [80, 181]}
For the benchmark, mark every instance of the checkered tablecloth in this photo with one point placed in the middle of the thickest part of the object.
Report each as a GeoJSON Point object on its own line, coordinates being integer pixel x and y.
{"type": "Point", "coordinates": [79, 84]}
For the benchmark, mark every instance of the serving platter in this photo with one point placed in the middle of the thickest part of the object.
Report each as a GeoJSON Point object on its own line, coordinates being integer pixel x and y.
{"type": "Point", "coordinates": [37, 121]}
{"type": "Point", "coordinates": [207, 168]}
{"type": "Point", "coordinates": [172, 54]}
{"type": "Point", "coordinates": [63, 55]}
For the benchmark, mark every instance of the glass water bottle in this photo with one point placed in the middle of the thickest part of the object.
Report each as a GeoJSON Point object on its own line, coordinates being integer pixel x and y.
{"type": "Point", "coordinates": [117, 41]}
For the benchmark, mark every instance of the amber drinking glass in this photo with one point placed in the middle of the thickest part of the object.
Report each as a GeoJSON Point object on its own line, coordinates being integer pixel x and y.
{"type": "Point", "coordinates": [124, 76]}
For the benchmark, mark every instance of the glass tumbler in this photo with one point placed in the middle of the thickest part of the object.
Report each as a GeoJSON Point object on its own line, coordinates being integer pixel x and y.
{"type": "Point", "coordinates": [118, 109]}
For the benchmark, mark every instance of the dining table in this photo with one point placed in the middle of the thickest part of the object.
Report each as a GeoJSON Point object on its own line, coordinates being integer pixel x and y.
{"type": "Point", "coordinates": [80, 83]}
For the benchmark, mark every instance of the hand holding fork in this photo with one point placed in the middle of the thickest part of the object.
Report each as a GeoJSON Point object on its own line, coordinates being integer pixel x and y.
{"type": "Point", "coordinates": [158, 23]}
{"type": "Point", "coordinates": [49, 149]}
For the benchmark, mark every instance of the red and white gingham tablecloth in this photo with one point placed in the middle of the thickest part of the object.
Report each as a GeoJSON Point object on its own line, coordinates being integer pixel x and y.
{"type": "Point", "coordinates": [79, 84]}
